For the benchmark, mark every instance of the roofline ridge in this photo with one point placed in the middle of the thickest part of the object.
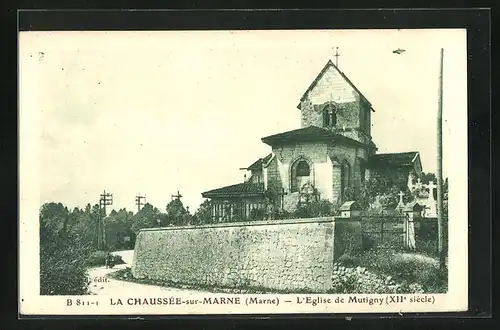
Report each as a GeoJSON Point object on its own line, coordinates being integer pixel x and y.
{"type": "Point", "coordinates": [396, 153]}
{"type": "Point", "coordinates": [270, 160]}
{"type": "Point", "coordinates": [322, 72]}
{"type": "Point", "coordinates": [415, 157]}
{"type": "Point", "coordinates": [214, 191]}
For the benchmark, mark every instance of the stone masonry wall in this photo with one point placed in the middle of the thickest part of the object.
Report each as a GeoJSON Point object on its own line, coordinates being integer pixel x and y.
{"type": "Point", "coordinates": [282, 255]}
{"type": "Point", "coordinates": [313, 152]}
{"type": "Point", "coordinates": [354, 156]}
{"type": "Point", "coordinates": [324, 174]}
{"type": "Point", "coordinates": [347, 115]}
{"type": "Point", "coordinates": [353, 112]}
{"type": "Point", "coordinates": [273, 176]}
{"type": "Point", "coordinates": [336, 183]}
{"type": "Point", "coordinates": [332, 87]}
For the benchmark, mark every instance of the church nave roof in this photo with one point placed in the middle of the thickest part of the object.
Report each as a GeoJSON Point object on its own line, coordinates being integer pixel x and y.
{"type": "Point", "coordinates": [308, 134]}
{"type": "Point", "coordinates": [394, 159]}
{"type": "Point", "coordinates": [257, 165]}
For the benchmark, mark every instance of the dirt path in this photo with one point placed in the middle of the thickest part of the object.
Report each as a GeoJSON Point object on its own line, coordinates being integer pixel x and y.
{"type": "Point", "coordinates": [102, 285]}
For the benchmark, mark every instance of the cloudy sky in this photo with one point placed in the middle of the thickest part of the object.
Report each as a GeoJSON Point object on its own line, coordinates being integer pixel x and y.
{"type": "Point", "coordinates": [157, 112]}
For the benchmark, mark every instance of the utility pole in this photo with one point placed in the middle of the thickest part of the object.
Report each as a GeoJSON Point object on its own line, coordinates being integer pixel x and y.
{"type": "Point", "coordinates": [140, 201]}
{"type": "Point", "coordinates": [439, 160]}
{"type": "Point", "coordinates": [104, 200]}
{"type": "Point", "coordinates": [440, 166]}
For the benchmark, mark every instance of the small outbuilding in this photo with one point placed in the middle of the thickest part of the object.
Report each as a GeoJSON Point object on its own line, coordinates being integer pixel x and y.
{"type": "Point", "coordinates": [350, 209]}
{"type": "Point", "coordinates": [413, 209]}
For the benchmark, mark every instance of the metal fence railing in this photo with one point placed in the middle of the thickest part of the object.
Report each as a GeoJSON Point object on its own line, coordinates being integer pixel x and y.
{"type": "Point", "coordinates": [391, 231]}
{"type": "Point", "coordinates": [385, 230]}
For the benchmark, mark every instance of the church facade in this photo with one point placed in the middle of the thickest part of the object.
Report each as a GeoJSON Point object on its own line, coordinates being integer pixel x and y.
{"type": "Point", "coordinates": [331, 152]}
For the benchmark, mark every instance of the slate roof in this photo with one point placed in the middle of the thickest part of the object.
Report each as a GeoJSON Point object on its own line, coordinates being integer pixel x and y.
{"type": "Point", "coordinates": [318, 77]}
{"type": "Point", "coordinates": [393, 159]}
{"type": "Point", "coordinates": [308, 134]}
{"type": "Point", "coordinates": [245, 189]}
{"type": "Point", "coordinates": [257, 165]}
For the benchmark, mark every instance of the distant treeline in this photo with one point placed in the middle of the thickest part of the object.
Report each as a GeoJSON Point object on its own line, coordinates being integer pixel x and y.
{"type": "Point", "coordinates": [69, 238]}
{"type": "Point", "coordinates": [119, 227]}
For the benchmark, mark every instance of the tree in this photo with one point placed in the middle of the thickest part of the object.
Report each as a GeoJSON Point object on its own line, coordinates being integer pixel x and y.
{"type": "Point", "coordinates": [203, 214]}
{"type": "Point", "coordinates": [426, 178]}
{"type": "Point", "coordinates": [176, 212]}
{"type": "Point", "coordinates": [383, 191]}
{"type": "Point", "coordinates": [118, 225]}
{"type": "Point", "coordinates": [147, 217]}
{"type": "Point", "coordinates": [82, 225]}
{"type": "Point", "coordinates": [53, 222]}
{"type": "Point", "coordinates": [63, 252]}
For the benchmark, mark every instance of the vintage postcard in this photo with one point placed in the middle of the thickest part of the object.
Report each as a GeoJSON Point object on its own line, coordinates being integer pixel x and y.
{"type": "Point", "coordinates": [243, 172]}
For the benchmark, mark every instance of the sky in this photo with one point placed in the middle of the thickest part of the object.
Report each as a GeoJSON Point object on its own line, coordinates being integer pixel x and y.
{"type": "Point", "coordinates": [159, 112]}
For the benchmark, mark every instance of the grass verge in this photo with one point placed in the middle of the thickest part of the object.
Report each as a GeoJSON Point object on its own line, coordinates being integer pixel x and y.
{"type": "Point", "coordinates": [405, 268]}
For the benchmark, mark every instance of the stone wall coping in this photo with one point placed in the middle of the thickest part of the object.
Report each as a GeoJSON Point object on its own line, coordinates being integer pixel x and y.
{"type": "Point", "coordinates": [250, 223]}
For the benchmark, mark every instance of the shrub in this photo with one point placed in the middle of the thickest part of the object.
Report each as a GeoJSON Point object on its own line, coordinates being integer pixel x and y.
{"type": "Point", "coordinates": [407, 269]}
{"type": "Point", "coordinates": [61, 277]}
{"type": "Point", "coordinates": [347, 241]}
{"type": "Point", "coordinates": [348, 260]}
{"type": "Point", "coordinates": [422, 270]}
{"type": "Point", "coordinates": [403, 269]}
{"type": "Point", "coordinates": [63, 271]}
{"type": "Point", "coordinates": [346, 280]}
{"type": "Point", "coordinates": [278, 214]}
{"type": "Point", "coordinates": [437, 282]}
{"type": "Point", "coordinates": [428, 247]}
{"type": "Point", "coordinates": [368, 241]}
{"type": "Point", "coordinates": [314, 209]}
{"type": "Point", "coordinates": [257, 214]}
{"type": "Point", "coordinates": [98, 258]}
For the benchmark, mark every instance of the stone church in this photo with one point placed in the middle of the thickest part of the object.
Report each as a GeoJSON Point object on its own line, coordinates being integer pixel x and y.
{"type": "Point", "coordinates": [332, 150]}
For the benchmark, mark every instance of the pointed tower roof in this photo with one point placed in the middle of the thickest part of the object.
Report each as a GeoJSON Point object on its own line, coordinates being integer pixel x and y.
{"type": "Point", "coordinates": [318, 77]}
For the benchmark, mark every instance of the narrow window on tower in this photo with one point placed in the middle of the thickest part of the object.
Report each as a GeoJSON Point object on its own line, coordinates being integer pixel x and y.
{"type": "Point", "coordinates": [334, 117]}
{"type": "Point", "coordinates": [362, 119]}
{"type": "Point", "coordinates": [326, 118]}
{"type": "Point", "coordinates": [362, 171]}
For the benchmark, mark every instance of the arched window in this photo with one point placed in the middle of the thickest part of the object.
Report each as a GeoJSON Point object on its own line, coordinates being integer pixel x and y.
{"type": "Point", "coordinates": [329, 116]}
{"type": "Point", "coordinates": [303, 168]}
{"type": "Point", "coordinates": [300, 175]}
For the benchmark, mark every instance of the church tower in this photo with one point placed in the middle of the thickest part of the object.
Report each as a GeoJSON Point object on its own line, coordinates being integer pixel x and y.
{"type": "Point", "coordinates": [333, 102]}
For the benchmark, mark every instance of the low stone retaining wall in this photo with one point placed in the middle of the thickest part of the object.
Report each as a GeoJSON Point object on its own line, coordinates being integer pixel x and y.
{"type": "Point", "coordinates": [287, 255]}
